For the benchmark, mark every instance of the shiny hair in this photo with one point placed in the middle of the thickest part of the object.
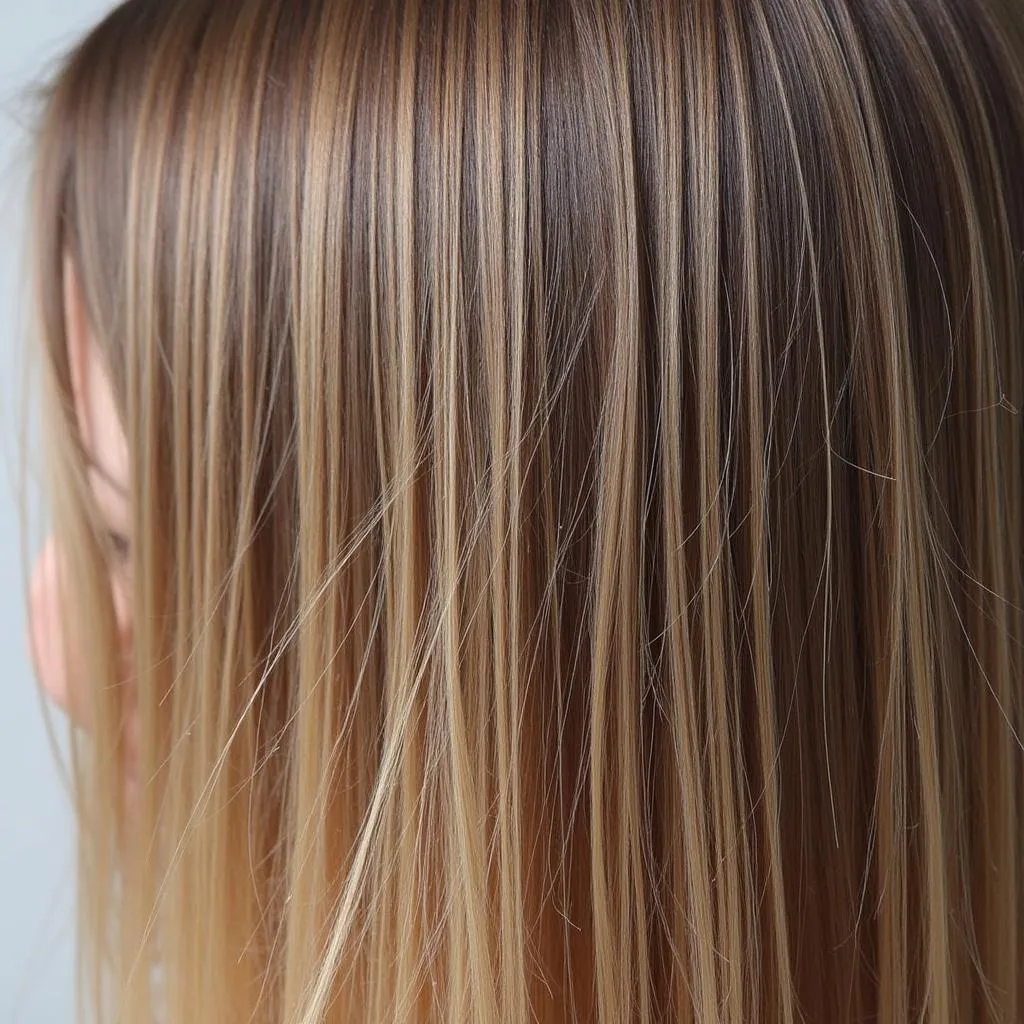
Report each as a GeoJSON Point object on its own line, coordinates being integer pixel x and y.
{"type": "Point", "coordinates": [576, 467]}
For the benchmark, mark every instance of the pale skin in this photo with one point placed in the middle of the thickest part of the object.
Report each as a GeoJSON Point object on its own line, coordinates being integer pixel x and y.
{"type": "Point", "coordinates": [105, 441]}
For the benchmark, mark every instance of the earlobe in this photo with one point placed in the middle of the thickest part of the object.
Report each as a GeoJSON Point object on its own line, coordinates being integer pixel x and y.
{"type": "Point", "coordinates": [46, 637]}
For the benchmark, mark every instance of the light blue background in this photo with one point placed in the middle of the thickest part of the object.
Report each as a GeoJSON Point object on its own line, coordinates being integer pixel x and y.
{"type": "Point", "coordinates": [36, 827]}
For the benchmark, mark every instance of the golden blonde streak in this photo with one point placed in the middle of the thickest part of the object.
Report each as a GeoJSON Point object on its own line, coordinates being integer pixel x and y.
{"type": "Point", "coordinates": [717, 669]}
{"type": "Point", "coordinates": [503, 351]}
{"type": "Point", "coordinates": [320, 755]}
{"type": "Point", "coordinates": [758, 384]}
{"type": "Point", "coordinates": [412, 879]}
{"type": "Point", "coordinates": [695, 989]}
{"type": "Point", "coordinates": [470, 949]}
{"type": "Point", "coordinates": [617, 823]}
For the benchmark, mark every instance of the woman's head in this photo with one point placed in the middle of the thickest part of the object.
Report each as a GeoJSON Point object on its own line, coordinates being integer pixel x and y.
{"type": "Point", "coordinates": [572, 459]}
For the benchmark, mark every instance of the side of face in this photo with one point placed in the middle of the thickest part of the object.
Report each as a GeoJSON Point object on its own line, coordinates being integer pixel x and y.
{"type": "Point", "coordinates": [106, 444]}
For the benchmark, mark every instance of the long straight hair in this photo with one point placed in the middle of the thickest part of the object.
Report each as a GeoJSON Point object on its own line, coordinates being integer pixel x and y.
{"type": "Point", "coordinates": [576, 466]}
